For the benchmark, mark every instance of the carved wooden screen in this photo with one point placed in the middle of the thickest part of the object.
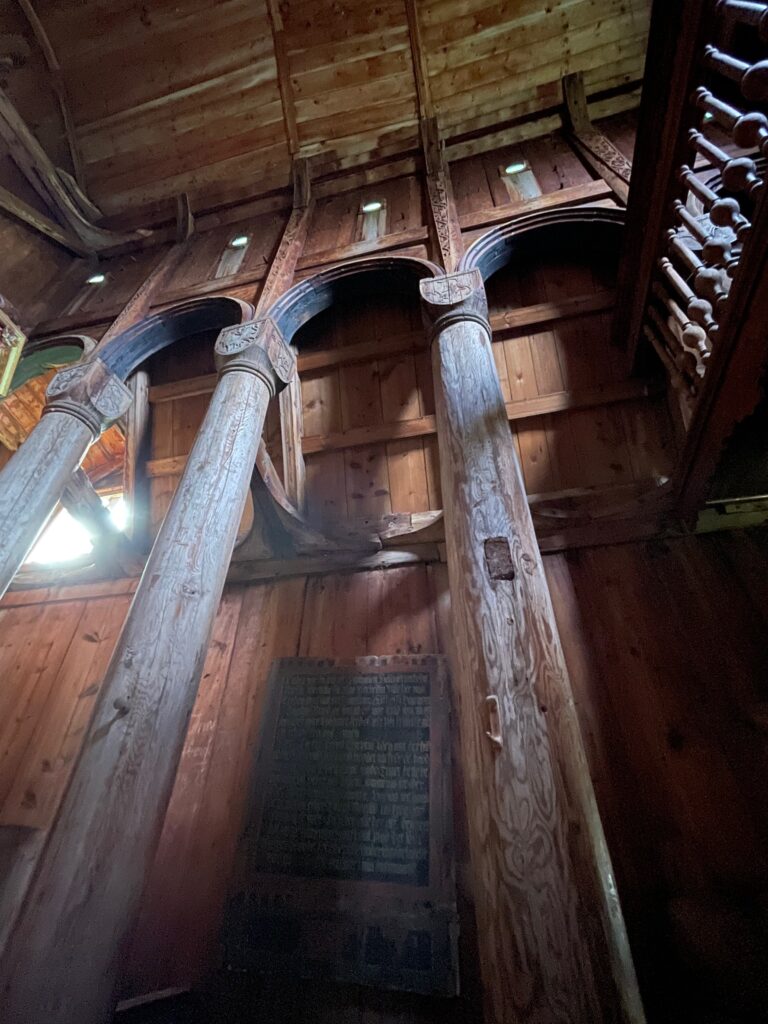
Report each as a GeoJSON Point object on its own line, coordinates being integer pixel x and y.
{"type": "Point", "coordinates": [345, 869]}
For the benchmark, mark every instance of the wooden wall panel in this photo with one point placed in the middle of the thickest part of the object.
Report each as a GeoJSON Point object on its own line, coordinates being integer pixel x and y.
{"type": "Point", "coordinates": [665, 643]}
{"type": "Point", "coordinates": [334, 616]}
{"type": "Point", "coordinates": [31, 269]}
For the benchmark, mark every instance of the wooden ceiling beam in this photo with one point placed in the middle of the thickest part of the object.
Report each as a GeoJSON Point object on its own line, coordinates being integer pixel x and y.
{"type": "Point", "coordinates": [27, 214]}
{"type": "Point", "coordinates": [36, 166]}
{"type": "Point", "coordinates": [284, 76]}
{"type": "Point", "coordinates": [59, 87]}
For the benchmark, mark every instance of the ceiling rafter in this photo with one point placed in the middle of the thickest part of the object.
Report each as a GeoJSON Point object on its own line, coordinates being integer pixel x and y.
{"type": "Point", "coordinates": [59, 87]}
{"type": "Point", "coordinates": [283, 76]}
{"type": "Point", "coordinates": [35, 164]}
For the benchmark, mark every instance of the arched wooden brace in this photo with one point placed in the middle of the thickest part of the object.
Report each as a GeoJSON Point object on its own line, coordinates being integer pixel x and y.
{"type": "Point", "coordinates": [552, 942]}
{"type": "Point", "coordinates": [62, 957]}
{"type": "Point", "coordinates": [83, 399]}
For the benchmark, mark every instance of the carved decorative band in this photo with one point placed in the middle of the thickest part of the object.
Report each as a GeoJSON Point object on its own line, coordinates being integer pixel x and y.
{"type": "Point", "coordinates": [259, 348]}
{"type": "Point", "coordinates": [459, 317]}
{"type": "Point", "coordinates": [453, 299]}
{"type": "Point", "coordinates": [89, 392]}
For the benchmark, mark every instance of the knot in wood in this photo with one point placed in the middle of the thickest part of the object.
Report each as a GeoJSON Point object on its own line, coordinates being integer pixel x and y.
{"type": "Point", "coordinates": [257, 347]}
{"type": "Point", "coordinates": [90, 392]}
{"type": "Point", "coordinates": [454, 298]}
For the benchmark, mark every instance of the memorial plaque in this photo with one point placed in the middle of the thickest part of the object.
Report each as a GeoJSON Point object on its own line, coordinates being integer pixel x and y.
{"type": "Point", "coordinates": [345, 868]}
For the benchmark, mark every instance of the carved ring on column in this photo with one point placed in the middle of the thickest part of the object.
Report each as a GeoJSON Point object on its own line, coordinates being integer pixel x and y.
{"type": "Point", "coordinates": [90, 392]}
{"type": "Point", "coordinates": [452, 299]}
{"type": "Point", "coordinates": [258, 347]}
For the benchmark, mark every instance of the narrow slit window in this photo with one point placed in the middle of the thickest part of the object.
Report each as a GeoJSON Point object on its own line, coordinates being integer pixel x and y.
{"type": "Point", "coordinates": [232, 258]}
{"type": "Point", "coordinates": [372, 219]}
{"type": "Point", "coordinates": [519, 180]}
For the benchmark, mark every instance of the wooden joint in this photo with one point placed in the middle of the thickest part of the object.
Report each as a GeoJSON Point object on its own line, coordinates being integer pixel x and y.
{"type": "Point", "coordinates": [454, 298]}
{"type": "Point", "coordinates": [257, 347]}
{"type": "Point", "coordinates": [498, 559]}
{"type": "Point", "coordinates": [89, 392]}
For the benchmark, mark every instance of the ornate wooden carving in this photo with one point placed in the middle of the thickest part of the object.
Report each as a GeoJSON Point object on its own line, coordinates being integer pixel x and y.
{"type": "Point", "coordinates": [454, 299]}
{"type": "Point", "coordinates": [12, 339]}
{"type": "Point", "coordinates": [257, 347]}
{"type": "Point", "coordinates": [90, 392]}
{"type": "Point", "coordinates": [441, 202]}
{"type": "Point", "coordinates": [598, 150]}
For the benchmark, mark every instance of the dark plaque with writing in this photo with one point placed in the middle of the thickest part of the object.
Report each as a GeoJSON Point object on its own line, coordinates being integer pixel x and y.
{"type": "Point", "coordinates": [345, 868]}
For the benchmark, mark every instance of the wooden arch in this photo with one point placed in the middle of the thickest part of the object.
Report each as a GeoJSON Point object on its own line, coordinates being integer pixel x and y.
{"type": "Point", "coordinates": [498, 247]}
{"type": "Point", "coordinates": [129, 349]}
{"type": "Point", "coordinates": [313, 295]}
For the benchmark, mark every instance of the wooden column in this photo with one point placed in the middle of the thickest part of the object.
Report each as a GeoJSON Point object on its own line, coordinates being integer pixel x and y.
{"type": "Point", "coordinates": [63, 955]}
{"type": "Point", "coordinates": [82, 401]}
{"type": "Point", "coordinates": [552, 943]}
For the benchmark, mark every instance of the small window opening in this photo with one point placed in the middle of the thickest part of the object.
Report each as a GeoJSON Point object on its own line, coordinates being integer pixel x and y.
{"type": "Point", "coordinates": [65, 539]}
{"type": "Point", "coordinates": [231, 260]}
{"type": "Point", "coordinates": [518, 180]}
{"type": "Point", "coordinates": [372, 220]}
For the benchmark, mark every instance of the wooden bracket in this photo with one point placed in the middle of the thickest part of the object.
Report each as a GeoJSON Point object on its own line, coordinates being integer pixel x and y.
{"type": "Point", "coordinates": [594, 147]}
{"type": "Point", "coordinates": [445, 219]}
{"type": "Point", "coordinates": [185, 219]}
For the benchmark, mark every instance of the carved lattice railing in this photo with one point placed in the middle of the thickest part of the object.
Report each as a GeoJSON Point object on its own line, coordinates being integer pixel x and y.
{"type": "Point", "coordinates": [693, 251]}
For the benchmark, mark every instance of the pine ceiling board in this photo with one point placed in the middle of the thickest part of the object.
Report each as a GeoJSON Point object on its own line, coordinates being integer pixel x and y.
{"type": "Point", "coordinates": [372, 124]}
{"type": "Point", "coordinates": [190, 132]}
{"type": "Point", "coordinates": [489, 113]}
{"type": "Point", "coordinates": [395, 62]}
{"type": "Point", "coordinates": [215, 182]}
{"type": "Point", "coordinates": [157, 63]}
{"type": "Point", "coordinates": [325, 53]}
{"type": "Point", "coordinates": [308, 22]}
{"type": "Point", "coordinates": [538, 31]}
{"type": "Point", "coordinates": [563, 54]}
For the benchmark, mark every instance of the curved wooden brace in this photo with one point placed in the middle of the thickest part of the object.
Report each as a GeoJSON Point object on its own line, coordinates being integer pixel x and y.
{"type": "Point", "coordinates": [291, 311]}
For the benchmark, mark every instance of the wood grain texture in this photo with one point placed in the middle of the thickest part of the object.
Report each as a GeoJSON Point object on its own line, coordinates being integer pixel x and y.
{"type": "Point", "coordinates": [551, 935]}
{"type": "Point", "coordinates": [81, 903]}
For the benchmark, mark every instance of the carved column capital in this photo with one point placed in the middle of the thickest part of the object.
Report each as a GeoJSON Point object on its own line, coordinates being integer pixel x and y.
{"type": "Point", "coordinates": [257, 347]}
{"type": "Point", "coordinates": [90, 392]}
{"type": "Point", "coordinates": [454, 298]}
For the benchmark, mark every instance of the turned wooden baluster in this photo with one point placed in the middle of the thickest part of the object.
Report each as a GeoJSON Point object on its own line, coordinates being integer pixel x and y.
{"type": "Point", "coordinates": [752, 79]}
{"type": "Point", "coordinates": [748, 131]}
{"type": "Point", "coordinates": [63, 956]}
{"type": "Point", "coordinates": [699, 310]}
{"type": "Point", "coordinates": [724, 213]}
{"type": "Point", "coordinates": [708, 282]}
{"type": "Point", "coordinates": [82, 401]}
{"type": "Point", "coordinates": [738, 174]}
{"type": "Point", "coordinates": [716, 250]}
{"type": "Point", "coordinates": [693, 337]}
{"type": "Point", "coordinates": [747, 13]}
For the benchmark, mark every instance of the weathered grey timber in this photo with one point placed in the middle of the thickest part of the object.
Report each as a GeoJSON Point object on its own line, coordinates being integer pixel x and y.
{"type": "Point", "coordinates": [552, 943]}
{"type": "Point", "coordinates": [62, 958]}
